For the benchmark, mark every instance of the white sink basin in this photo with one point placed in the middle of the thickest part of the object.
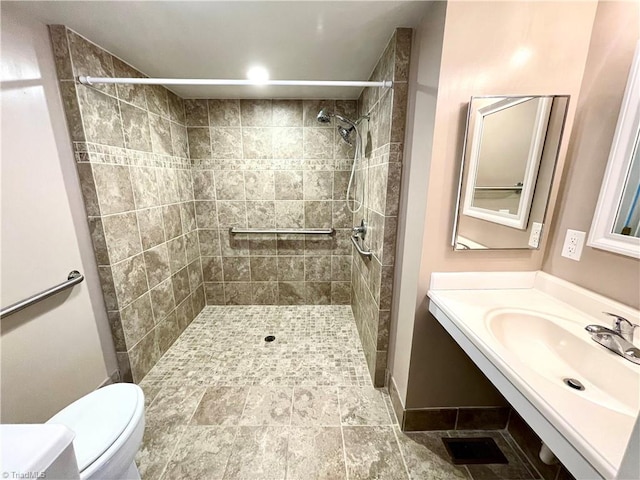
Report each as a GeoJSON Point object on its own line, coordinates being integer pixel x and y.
{"type": "Point", "coordinates": [556, 348]}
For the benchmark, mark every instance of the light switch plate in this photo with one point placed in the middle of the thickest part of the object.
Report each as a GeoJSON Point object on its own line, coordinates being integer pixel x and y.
{"type": "Point", "coordinates": [573, 243]}
{"type": "Point", "coordinates": [536, 233]}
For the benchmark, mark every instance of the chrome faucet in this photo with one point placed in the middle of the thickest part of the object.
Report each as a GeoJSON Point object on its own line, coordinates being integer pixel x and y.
{"type": "Point", "coordinates": [617, 339]}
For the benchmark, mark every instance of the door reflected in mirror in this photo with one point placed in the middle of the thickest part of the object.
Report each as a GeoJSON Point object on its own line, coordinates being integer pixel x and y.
{"type": "Point", "coordinates": [507, 143]}
{"type": "Point", "coordinates": [511, 148]}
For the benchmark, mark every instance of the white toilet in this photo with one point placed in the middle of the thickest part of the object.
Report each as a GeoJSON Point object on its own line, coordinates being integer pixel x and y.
{"type": "Point", "coordinates": [108, 424]}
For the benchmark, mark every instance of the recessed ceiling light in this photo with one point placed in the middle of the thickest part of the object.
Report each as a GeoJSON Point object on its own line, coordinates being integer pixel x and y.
{"type": "Point", "coordinates": [521, 56]}
{"type": "Point", "coordinates": [258, 75]}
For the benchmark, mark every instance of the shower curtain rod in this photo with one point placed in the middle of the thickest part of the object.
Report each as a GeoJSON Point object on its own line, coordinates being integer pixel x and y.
{"type": "Point", "coordinates": [85, 80]}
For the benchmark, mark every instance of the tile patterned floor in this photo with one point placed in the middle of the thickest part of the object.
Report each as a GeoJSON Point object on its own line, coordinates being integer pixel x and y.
{"type": "Point", "coordinates": [315, 345]}
{"type": "Point", "coordinates": [223, 404]}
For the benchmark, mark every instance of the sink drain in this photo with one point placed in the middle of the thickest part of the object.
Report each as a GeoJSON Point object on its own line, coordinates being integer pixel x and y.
{"type": "Point", "coordinates": [573, 383]}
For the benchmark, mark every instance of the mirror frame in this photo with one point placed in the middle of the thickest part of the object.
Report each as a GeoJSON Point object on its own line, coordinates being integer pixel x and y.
{"type": "Point", "coordinates": [601, 235]}
{"type": "Point", "coordinates": [521, 219]}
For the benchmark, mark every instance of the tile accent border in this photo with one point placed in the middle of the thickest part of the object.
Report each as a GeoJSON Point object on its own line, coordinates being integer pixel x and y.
{"type": "Point", "coordinates": [461, 418]}
{"type": "Point", "coordinates": [86, 152]}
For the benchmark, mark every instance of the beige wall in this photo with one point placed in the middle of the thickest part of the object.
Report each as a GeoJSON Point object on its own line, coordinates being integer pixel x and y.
{"type": "Point", "coordinates": [615, 33]}
{"type": "Point", "coordinates": [426, 51]}
{"type": "Point", "coordinates": [481, 41]}
{"type": "Point", "coordinates": [51, 353]}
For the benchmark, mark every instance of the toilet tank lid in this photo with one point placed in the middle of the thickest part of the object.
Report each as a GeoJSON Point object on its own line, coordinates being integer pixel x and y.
{"type": "Point", "coordinates": [99, 418]}
{"type": "Point", "coordinates": [32, 447]}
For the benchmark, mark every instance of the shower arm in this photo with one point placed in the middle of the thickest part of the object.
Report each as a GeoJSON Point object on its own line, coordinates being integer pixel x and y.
{"type": "Point", "coordinates": [351, 122]}
{"type": "Point", "coordinates": [352, 125]}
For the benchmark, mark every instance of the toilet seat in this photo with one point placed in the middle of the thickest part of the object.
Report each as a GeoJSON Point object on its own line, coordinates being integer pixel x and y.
{"type": "Point", "coordinates": [101, 419]}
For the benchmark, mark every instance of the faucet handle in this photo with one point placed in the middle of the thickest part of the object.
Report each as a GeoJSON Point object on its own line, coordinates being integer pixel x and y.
{"type": "Point", "coordinates": [620, 319]}
{"type": "Point", "coordinates": [360, 230]}
{"type": "Point", "coordinates": [619, 325]}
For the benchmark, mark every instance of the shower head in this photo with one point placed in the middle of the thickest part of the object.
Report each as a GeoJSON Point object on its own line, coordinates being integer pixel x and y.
{"type": "Point", "coordinates": [324, 116]}
{"type": "Point", "coordinates": [345, 133]}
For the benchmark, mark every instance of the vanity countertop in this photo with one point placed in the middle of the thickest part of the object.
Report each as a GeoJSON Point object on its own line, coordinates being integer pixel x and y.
{"type": "Point", "coordinates": [525, 330]}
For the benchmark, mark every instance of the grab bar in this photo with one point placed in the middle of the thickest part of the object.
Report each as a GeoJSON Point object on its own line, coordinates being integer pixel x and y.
{"type": "Point", "coordinates": [364, 253]}
{"type": "Point", "coordinates": [518, 187]}
{"type": "Point", "coordinates": [284, 231]}
{"type": "Point", "coordinates": [73, 278]}
{"type": "Point", "coordinates": [498, 188]}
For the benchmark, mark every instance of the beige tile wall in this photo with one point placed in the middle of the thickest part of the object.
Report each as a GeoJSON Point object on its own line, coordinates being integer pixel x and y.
{"type": "Point", "coordinates": [164, 179]}
{"type": "Point", "coordinates": [131, 149]}
{"type": "Point", "coordinates": [270, 164]}
{"type": "Point", "coordinates": [378, 187]}
{"type": "Point", "coordinates": [474, 51]}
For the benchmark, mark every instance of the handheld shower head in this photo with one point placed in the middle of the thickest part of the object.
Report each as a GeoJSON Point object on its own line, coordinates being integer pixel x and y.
{"type": "Point", "coordinates": [345, 133]}
{"type": "Point", "coordinates": [324, 116]}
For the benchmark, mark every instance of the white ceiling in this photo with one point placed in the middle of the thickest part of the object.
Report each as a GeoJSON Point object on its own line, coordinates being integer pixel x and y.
{"type": "Point", "coordinates": [294, 40]}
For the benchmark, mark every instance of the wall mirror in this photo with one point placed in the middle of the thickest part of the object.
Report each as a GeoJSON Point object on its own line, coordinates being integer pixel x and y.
{"type": "Point", "coordinates": [616, 221]}
{"type": "Point", "coordinates": [509, 158]}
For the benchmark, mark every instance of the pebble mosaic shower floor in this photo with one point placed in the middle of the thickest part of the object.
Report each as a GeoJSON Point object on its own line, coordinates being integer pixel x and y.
{"type": "Point", "coordinates": [224, 404]}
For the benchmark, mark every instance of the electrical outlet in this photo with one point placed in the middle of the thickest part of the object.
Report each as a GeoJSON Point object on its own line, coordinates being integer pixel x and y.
{"type": "Point", "coordinates": [573, 243]}
{"type": "Point", "coordinates": [536, 233]}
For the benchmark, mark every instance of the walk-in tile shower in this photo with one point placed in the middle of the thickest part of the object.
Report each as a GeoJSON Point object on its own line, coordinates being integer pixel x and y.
{"type": "Point", "coordinates": [165, 178]}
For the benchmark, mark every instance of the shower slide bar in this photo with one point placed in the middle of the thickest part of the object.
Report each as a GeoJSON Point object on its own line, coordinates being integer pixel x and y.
{"type": "Point", "coordinates": [73, 278]}
{"type": "Point", "coordinates": [283, 231]}
{"type": "Point", "coordinates": [86, 80]}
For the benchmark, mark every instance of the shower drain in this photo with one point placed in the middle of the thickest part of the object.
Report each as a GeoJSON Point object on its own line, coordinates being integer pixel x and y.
{"type": "Point", "coordinates": [573, 383]}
